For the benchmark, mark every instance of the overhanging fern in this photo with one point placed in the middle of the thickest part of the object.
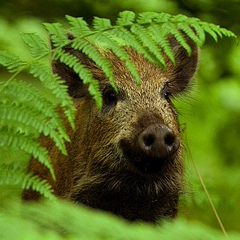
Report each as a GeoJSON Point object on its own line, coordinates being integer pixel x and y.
{"type": "Point", "coordinates": [26, 112]}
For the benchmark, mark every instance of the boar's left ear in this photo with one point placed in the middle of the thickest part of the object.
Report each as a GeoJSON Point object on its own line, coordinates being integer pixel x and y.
{"type": "Point", "coordinates": [185, 67]}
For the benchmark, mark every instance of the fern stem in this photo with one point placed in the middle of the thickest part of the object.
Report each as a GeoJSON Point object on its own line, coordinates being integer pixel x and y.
{"type": "Point", "coordinates": [13, 77]}
{"type": "Point", "coordinates": [208, 195]}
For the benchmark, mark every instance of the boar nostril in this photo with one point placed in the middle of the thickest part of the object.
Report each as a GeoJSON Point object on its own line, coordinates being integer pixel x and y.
{"type": "Point", "coordinates": [148, 140]}
{"type": "Point", "coordinates": [169, 139]}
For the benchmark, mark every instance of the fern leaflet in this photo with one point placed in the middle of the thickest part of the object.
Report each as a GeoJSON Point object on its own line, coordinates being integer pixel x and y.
{"type": "Point", "coordinates": [91, 51]}
{"type": "Point", "coordinates": [125, 18]}
{"type": "Point", "coordinates": [29, 96]}
{"type": "Point", "coordinates": [57, 87]}
{"type": "Point", "coordinates": [121, 54]}
{"type": "Point", "coordinates": [101, 24]}
{"type": "Point", "coordinates": [85, 74]}
{"type": "Point", "coordinates": [13, 174]}
{"type": "Point", "coordinates": [162, 41]}
{"type": "Point", "coordinates": [127, 36]}
{"type": "Point", "coordinates": [57, 34]}
{"type": "Point", "coordinates": [79, 26]}
{"type": "Point", "coordinates": [10, 138]}
{"type": "Point", "coordinates": [11, 62]}
{"type": "Point", "coordinates": [178, 36]}
{"type": "Point", "coordinates": [36, 45]}
{"type": "Point", "coordinates": [148, 41]}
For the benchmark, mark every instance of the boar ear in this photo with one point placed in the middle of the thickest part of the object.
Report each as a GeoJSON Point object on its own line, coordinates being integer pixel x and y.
{"type": "Point", "coordinates": [185, 67]}
{"type": "Point", "coordinates": [76, 88]}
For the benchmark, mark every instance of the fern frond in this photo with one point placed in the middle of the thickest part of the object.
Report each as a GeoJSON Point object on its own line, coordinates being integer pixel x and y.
{"type": "Point", "coordinates": [219, 31]}
{"type": "Point", "coordinates": [121, 54]}
{"type": "Point", "coordinates": [36, 45]}
{"type": "Point", "coordinates": [160, 37]}
{"type": "Point", "coordinates": [148, 17]}
{"type": "Point", "coordinates": [14, 174]}
{"type": "Point", "coordinates": [38, 184]}
{"type": "Point", "coordinates": [125, 18]}
{"type": "Point", "coordinates": [79, 27]}
{"type": "Point", "coordinates": [226, 32]}
{"type": "Point", "coordinates": [173, 29]}
{"type": "Point", "coordinates": [57, 87]}
{"type": "Point", "coordinates": [129, 37]}
{"type": "Point", "coordinates": [92, 52]}
{"type": "Point", "coordinates": [210, 31]}
{"type": "Point", "coordinates": [179, 18]}
{"type": "Point", "coordinates": [148, 42]}
{"type": "Point", "coordinates": [57, 33]}
{"type": "Point", "coordinates": [85, 74]}
{"type": "Point", "coordinates": [11, 62]}
{"type": "Point", "coordinates": [10, 174]}
{"type": "Point", "coordinates": [162, 17]}
{"type": "Point", "coordinates": [10, 138]}
{"type": "Point", "coordinates": [33, 98]}
{"type": "Point", "coordinates": [194, 23]}
{"type": "Point", "coordinates": [187, 29]}
{"type": "Point", "coordinates": [27, 120]}
{"type": "Point", "coordinates": [100, 24]}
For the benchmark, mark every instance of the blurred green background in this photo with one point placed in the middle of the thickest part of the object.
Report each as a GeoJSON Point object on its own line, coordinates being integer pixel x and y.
{"type": "Point", "coordinates": [209, 115]}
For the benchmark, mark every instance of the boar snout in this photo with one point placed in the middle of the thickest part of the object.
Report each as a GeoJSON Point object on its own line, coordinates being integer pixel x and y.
{"type": "Point", "coordinates": [158, 141]}
{"type": "Point", "coordinates": [152, 148]}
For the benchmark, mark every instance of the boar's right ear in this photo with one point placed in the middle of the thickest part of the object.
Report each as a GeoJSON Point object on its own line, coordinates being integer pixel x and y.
{"type": "Point", "coordinates": [185, 66]}
{"type": "Point", "coordinates": [76, 88]}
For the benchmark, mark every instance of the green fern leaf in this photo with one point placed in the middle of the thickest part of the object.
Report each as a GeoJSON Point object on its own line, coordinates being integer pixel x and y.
{"type": "Point", "coordinates": [92, 52]}
{"type": "Point", "coordinates": [210, 31]}
{"type": "Point", "coordinates": [39, 185]}
{"type": "Point", "coordinates": [57, 87]}
{"type": "Point", "coordinates": [79, 26]}
{"type": "Point", "coordinates": [10, 138]}
{"type": "Point", "coordinates": [101, 24]}
{"type": "Point", "coordinates": [190, 33]}
{"type": "Point", "coordinates": [194, 23]}
{"type": "Point", "coordinates": [160, 37]}
{"type": "Point", "coordinates": [179, 18]}
{"type": "Point", "coordinates": [96, 94]}
{"type": "Point", "coordinates": [57, 34]}
{"type": "Point", "coordinates": [147, 17]}
{"type": "Point", "coordinates": [84, 74]}
{"type": "Point", "coordinates": [128, 37]}
{"type": "Point", "coordinates": [227, 33]}
{"type": "Point", "coordinates": [221, 31]}
{"type": "Point", "coordinates": [172, 28]}
{"type": "Point", "coordinates": [28, 120]}
{"type": "Point", "coordinates": [15, 174]}
{"type": "Point", "coordinates": [11, 174]}
{"type": "Point", "coordinates": [36, 45]}
{"type": "Point", "coordinates": [33, 98]}
{"type": "Point", "coordinates": [148, 42]}
{"type": "Point", "coordinates": [11, 61]}
{"type": "Point", "coordinates": [125, 18]}
{"type": "Point", "coordinates": [121, 54]}
{"type": "Point", "coordinates": [162, 18]}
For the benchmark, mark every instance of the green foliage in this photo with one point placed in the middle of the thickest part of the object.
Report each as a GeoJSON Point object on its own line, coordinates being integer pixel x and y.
{"type": "Point", "coordinates": [16, 175]}
{"type": "Point", "coordinates": [61, 220]}
{"type": "Point", "coordinates": [26, 112]}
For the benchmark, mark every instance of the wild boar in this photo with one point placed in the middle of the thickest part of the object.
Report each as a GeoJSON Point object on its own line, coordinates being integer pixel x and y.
{"type": "Point", "coordinates": [127, 157]}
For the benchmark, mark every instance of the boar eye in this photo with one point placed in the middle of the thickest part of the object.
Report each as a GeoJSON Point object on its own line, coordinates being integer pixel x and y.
{"type": "Point", "coordinates": [110, 97]}
{"type": "Point", "coordinates": [168, 95]}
